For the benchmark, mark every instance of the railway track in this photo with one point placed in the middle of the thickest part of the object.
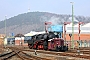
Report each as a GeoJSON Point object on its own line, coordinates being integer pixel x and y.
{"type": "Point", "coordinates": [7, 55]}
{"type": "Point", "coordinates": [20, 54]}
{"type": "Point", "coordinates": [70, 54]}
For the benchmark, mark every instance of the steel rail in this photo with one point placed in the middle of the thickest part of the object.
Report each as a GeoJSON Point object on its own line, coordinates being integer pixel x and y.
{"type": "Point", "coordinates": [25, 56]}
{"type": "Point", "coordinates": [86, 56]}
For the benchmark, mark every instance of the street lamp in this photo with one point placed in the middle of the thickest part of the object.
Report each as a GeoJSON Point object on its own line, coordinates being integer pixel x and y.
{"type": "Point", "coordinates": [72, 26]}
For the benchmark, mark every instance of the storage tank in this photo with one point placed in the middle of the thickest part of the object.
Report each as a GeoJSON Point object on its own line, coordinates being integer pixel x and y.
{"type": "Point", "coordinates": [56, 28]}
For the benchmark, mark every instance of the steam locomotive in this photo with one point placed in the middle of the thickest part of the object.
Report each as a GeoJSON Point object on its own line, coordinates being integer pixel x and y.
{"type": "Point", "coordinates": [47, 41]}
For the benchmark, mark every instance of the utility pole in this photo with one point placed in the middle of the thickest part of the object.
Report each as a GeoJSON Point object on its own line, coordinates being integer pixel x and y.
{"type": "Point", "coordinates": [5, 29]}
{"type": "Point", "coordinates": [5, 25]}
{"type": "Point", "coordinates": [72, 26]}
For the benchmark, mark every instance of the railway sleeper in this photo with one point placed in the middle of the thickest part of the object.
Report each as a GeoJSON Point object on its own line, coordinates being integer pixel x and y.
{"type": "Point", "coordinates": [4, 54]}
{"type": "Point", "coordinates": [7, 56]}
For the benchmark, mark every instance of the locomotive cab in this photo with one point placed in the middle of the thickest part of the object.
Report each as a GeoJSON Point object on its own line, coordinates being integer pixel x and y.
{"type": "Point", "coordinates": [57, 44]}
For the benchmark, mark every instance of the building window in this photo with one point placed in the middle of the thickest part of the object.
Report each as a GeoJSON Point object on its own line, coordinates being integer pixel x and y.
{"type": "Point", "coordinates": [85, 28]}
{"type": "Point", "coordinates": [70, 28]}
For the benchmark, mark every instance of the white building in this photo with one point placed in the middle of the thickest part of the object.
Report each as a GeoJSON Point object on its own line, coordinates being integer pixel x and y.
{"type": "Point", "coordinates": [84, 28]}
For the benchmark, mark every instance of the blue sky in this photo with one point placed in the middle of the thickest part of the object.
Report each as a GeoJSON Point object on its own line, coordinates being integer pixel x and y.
{"type": "Point", "coordinates": [12, 8]}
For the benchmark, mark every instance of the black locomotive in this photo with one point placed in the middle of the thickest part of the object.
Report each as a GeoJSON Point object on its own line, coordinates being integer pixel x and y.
{"type": "Point", "coordinates": [47, 41]}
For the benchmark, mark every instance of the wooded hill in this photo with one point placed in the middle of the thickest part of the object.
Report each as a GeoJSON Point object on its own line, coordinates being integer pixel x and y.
{"type": "Point", "coordinates": [34, 21]}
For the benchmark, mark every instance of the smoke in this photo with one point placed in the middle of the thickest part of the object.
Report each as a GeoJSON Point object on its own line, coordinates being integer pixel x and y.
{"type": "Point", "coordinates": [54, 20]}
{"type": "Point", "coordinates": [75, 20]}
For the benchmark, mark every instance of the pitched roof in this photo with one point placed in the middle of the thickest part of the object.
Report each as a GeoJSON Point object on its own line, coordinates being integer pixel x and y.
{"type": "Point", "coordinates": [19, 35]}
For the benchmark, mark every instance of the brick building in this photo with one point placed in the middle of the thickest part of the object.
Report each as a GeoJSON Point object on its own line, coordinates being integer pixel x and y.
{"type": "Point", "coordinates": [19, 40]}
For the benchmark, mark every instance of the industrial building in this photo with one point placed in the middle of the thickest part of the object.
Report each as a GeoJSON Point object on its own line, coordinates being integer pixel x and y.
{"type": "Point", "coordinates": [81, 34]}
